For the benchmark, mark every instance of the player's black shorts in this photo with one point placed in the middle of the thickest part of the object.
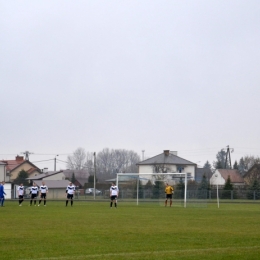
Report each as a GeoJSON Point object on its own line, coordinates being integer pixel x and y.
{"type": "Point", "coordinates": [20, 196]}
{"type": "Point", "coordinates": [69, 196]}
{"type": "Point", "coordinates": [113, 197]}
{"type": "Point", "coordinates": [33, 196]}
{"type": "Point", "coordinates": [168, 196]}
{"type": "Point", "coordinates": [43, 195]}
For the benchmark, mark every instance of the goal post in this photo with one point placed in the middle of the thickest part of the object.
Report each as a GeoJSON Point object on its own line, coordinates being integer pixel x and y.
{"type": "Point", "coordinates": [149, 176]}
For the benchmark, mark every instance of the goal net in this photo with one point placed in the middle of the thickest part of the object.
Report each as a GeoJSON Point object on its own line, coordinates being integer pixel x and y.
{"type": "Point", "coordinates": [150, 187]}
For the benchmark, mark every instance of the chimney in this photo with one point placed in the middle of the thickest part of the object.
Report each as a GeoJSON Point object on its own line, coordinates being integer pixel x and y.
{"type": "Point", "coordinates": [45, 170]}
{"type": "Point", "coordinates": [166, 152]}
{"type": "Point", "coordinates": [19, 158]}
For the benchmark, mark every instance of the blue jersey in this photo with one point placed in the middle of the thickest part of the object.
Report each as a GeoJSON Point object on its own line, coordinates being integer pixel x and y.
{"type": "Point", "coordinates": [2, 192]}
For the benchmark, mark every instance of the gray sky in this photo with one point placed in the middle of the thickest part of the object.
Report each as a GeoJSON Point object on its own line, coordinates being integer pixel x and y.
{"type": "Point", "coordinates": [136, 75]}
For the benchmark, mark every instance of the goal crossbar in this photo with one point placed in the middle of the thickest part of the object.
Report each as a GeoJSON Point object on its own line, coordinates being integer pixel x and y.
{"type": "Point", "coordinates": [179, 174]}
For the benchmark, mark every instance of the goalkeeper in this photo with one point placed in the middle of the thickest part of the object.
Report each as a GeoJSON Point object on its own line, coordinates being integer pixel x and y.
{"type": "Point", "coordinates": [169, 191]}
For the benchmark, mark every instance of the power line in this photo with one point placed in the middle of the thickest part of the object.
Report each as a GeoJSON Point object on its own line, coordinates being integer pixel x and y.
{"type": "Point", "coordinates": [61, 161]}
{"type": "Point", "coordinates": [43, 161]}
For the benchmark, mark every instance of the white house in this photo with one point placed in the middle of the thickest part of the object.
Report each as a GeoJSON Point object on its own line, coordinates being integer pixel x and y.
{"type": "Point", "coordinates": [221, 175]}
{"type": "Point", "coordinates": [167, 162]}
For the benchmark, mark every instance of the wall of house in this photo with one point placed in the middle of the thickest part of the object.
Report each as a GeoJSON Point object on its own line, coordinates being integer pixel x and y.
{"type": "Point", "coordinates": [146, 169]}
{"type": "Point", "coordinates": [57, 193]}
{"type": "Point", "coordinates": [56, 177]}
{"type": "Point", "coordinates": [172, 168]}
{"type": "Point", "coordinates": [217, 179]}
{"type": "Point", "coordinates": [2, 173]}
{"type": "Point", "coordinates": [33, 174]}
{"type": "Point", "coordinates": [14, 173]}
{"type": "Point", "coordinates": [190, 169]}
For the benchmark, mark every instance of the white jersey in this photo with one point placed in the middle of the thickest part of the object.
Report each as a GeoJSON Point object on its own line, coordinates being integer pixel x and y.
{"type": "Point", "coordinates": [70, 189]}
{"type": "Point", "coordinates": [34, 190]}
{"type": "Point", "coordinates": [114, 191]}
{"type": "Point", "coordinates": [20, 190]}
{"type": "Point", "coordinates": [43, 189]}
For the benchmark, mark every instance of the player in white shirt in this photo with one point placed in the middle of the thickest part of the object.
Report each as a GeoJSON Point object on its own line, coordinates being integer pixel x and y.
{"type": "Point", "coordinates": [20, 191]}
{"type": "Point", "coordinates": [43, 193]}
{"type": "Point", "coordinates": [70, 191]}
{"type": "Point", "coordinates": [34, 193]}
{"type": "Point", "coordinates": [114, 192]}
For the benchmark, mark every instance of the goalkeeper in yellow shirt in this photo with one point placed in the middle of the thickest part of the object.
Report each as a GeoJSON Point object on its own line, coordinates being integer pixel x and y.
{"type": "Point", "coordinates": [169, 191]}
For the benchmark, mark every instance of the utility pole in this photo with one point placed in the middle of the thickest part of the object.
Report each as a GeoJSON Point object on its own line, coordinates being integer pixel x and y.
{"type": "Point", "coordinates": [143, 154]}
{"type": "Point", "coordinates": [228, 157]}
{"type": "Point", "coordinates": [55, 162]}
{"type": "Point", "coordinates": [95, 172]}
{"type": "Point", "coordinates": [26, 153]}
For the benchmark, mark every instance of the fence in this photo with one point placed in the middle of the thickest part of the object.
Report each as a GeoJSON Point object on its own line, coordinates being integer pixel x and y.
{"type": "Point", "coordinates": [155, 194]}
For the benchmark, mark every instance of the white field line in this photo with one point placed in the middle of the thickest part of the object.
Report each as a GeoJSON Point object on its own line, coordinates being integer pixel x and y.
{"type": "Point", "coordinates": [220, 249]}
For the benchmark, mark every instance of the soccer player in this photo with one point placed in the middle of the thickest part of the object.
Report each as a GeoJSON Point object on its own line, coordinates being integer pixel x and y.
{"type": "Point", "coordinates": [43, 193]}
{"type": "Point", "coordinates": [20, 191]}
{"type": "Point", "coordinates": [2, 193]}
{"type": "Point", "coordinates": [34, 194]}
{"type": "Point", "coordinates": [70, 191]}
{"type": "Point", "coordinates": [114, 192]}
{"type": "Point", "coordinates": [169, 191]}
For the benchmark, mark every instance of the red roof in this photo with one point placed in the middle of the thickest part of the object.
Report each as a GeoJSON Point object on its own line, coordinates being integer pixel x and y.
{"type": "Point", "coordinates": [234, 175]}
{"type": "Point", "coordinates": [12, 164]}
{"type": "Point", "coordinates": [19, 160]}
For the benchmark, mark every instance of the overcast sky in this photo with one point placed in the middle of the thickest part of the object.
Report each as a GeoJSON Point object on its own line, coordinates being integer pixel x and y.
{"type": "Point", "coordinates": [136, 75]}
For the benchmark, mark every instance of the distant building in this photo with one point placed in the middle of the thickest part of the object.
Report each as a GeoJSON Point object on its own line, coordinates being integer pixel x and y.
{"type": "Point", "coordinates": [3, 171]}
{"type": "Point", "coordinates": [56, 188]}
{"type": "Point", "coordinates": [221, 175]}
{"type": "Point", "coordinates": [167, 162]}
{"type": "Point", "coordinates": [200, 172]}
{"type": "Point", "coordinates": [252, 174]}
{"type": "Point", "coordinates": [51, 175]}
{"type": "Point", "coordinates": [13, 167]}
{"type": "Point", "coordinates": [81, 176]}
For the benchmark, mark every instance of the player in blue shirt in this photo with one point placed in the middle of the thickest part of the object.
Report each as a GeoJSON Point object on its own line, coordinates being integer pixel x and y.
{"type": "Point", "coordinates": [2, 193]}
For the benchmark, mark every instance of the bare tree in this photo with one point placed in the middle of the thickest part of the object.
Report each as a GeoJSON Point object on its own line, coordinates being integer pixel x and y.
{"type": "Point", "coordinates": [250, 160]}
{"type": "Point", "coordinates": [108, 161]}
{"type": "Point", "coordinates": [117, 160]}
{"type": "Point", "coordinates": [133, 159]}
{"type": "Point", "coordinates": [78, 160]}
{"type": "Point", "coordinates": [105, 164]}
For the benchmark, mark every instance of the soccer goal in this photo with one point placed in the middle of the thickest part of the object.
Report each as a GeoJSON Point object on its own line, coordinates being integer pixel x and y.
{"type": "Point", "coordinates": [150, 186]}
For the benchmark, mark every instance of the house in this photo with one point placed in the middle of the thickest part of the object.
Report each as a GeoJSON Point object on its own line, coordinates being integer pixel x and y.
{"type": "Point", "coordinates": [13, 167]}
{"type": "Point", "coordinates": [3, 177]}
{"type": "Point", "coordinates": [252, 174]}
{"type": "Point", "coordinates": [56, 188]}
{"type": "Point", "coordinates": [51, 175]}
{"type": "Point", "coordinates": [81, 176]}
{"type": "Point", "coordinates": [2, 171]}
{"type": "Point", "coordinates": [167, 162]}
{"type": "Point", "coordinates": [200, 172]}
{"type": "Point", "coordinates": [221, 175]}
{"type": "Point", "coordinates": [55, 181]}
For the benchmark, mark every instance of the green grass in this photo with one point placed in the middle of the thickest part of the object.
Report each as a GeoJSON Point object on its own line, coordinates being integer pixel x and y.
{"type": "Point", "coordinates": [91, 230]}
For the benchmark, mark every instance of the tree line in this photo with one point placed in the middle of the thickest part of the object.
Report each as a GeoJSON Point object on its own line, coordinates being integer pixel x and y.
{"type": "Point", "coordinates": [108, 161]}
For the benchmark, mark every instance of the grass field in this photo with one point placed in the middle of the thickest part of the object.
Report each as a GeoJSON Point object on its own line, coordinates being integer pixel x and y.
{"type": "Point", "coordinates": [91, 230]}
